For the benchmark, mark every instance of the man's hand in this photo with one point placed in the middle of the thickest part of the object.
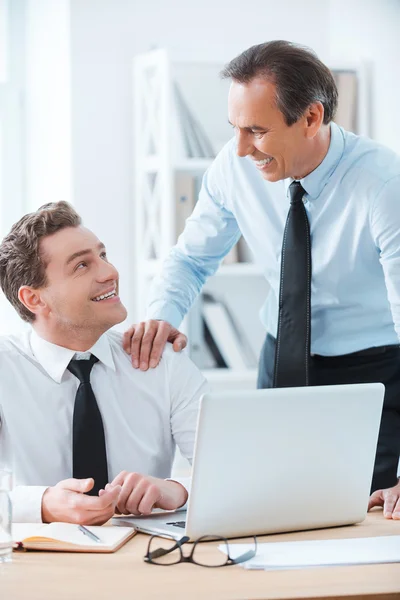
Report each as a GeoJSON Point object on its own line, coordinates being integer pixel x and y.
{"type": "Point", "coordinates": [145, 342]}
{"type": "Point", "coordinates": [67, 502]}
{"type": "Point", "coordinates": [140, 494]}
{"type": "Point", "coordinates": [389, 499]}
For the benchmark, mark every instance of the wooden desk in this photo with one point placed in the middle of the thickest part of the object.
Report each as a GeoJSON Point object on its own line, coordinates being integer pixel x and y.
{"type": "Point", "coordinates": [124, 575]}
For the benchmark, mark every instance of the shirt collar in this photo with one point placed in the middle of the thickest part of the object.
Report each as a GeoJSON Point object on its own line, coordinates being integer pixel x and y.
{"type": "Point", "coordinates": [55, 359]}
{"type": "Point", "coordinates": [315, 182]}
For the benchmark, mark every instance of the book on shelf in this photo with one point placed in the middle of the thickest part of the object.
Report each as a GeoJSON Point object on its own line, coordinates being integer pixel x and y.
{"type": "Point", "coordinates": [232, 257]}
{"type": "Point", "coordinates": [223, 336]}
{"type": "Point", "coordinates": [346, 113]}
{"type": "Point", "coordinates": [68, 537]}
{"type": "Point", "coordinates": [185, 194]}
{"type": "Point", "coordinates": [239, 253]}
{"type": "Point", "coordinates": [195, 142]}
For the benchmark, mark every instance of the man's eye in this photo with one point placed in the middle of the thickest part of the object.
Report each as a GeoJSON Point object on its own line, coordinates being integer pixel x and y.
{"type": "Point", "coordinates": [258, 134]}
{"type": "Point", "coordinates": [103, 255]}
{"type": "Point", "coordinates": [80, 265]}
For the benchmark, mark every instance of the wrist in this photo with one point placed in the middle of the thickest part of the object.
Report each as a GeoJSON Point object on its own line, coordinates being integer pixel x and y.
{"type": "Point", "coordinates": [178, 492]}
{"type": "Point", "coordinates": [46, 512]}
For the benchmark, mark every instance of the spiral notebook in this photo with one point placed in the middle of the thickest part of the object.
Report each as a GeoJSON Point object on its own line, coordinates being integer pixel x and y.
{"type": "Point", "coordinates": [67, 537]}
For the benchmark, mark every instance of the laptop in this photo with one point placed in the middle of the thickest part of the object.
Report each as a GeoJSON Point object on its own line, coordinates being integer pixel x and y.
{"type": "Point", "coordinates": [277, 460]}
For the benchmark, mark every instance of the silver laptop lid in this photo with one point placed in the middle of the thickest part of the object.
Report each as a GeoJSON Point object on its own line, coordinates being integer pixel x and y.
{"type": "Point", "coordinates": [283, 459]}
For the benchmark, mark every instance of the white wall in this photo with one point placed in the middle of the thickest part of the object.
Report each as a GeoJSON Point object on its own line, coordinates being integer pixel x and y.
{"type": "Point", "coordinates": [369, 30]}
{"type": "Point", "coordinates": [47, 101]}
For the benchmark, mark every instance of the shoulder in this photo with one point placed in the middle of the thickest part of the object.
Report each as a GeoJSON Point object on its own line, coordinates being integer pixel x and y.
{"type": "Point", "coordinates": [14, 344]}
{"type": "Point", "coordinates": [15, 350]}
{"type": "Point", "coordinates": [371, 163]}
{"type": "Point", "coordinates": [179, 364]}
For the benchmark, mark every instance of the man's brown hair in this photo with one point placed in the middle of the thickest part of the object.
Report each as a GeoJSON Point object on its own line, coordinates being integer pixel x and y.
{"type": "Point", "coordinates": [300, 77]}
{"type": "Point", "coordinates": [21, 259]}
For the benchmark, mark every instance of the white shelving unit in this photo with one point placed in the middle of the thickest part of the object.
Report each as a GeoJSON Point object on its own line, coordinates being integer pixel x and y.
{"type": "Point", "coordinates": [160, 157]}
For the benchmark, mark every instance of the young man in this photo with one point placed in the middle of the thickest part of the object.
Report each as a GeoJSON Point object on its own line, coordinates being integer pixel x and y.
{"type": "Point", "coordinates": [318, 207]}
{"type": "Point", "coordinates": [84, 433]}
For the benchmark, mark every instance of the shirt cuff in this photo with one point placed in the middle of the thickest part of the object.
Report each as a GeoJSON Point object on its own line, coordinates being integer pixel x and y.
{"type": "Point", "coordinates": [26, 503]}
{"type": "Point", "coordinates": [186, 482]}
{"type": "Point", "coordinates": [164, 312]}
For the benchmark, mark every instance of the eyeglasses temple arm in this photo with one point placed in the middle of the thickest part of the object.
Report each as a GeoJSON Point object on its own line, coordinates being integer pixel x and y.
{"type": "Point", "coordinates": [162, 551]}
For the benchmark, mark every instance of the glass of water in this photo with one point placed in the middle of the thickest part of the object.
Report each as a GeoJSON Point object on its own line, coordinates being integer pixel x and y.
{"type": "Point", "coordinates": [6, 542]}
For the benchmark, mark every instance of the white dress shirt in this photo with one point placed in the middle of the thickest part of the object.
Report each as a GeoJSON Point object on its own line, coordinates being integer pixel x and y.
{"type": "Point", "coordinates": [145, 414]}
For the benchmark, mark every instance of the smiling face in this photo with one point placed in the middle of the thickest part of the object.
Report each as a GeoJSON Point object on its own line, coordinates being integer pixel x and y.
{"type": "Point", "coordinates": [279, 150]}
{"type": "Point", "coordinates": [80, 297]}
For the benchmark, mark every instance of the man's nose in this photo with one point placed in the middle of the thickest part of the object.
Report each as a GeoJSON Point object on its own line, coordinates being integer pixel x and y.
{"type": "Point", "coordinates": [107, 271]}
{"type": "Point", "coordinates": [244, 147]}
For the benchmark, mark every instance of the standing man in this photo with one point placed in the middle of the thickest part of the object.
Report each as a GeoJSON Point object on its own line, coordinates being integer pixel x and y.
{"type": "Point", "coordinates": [319, 208]}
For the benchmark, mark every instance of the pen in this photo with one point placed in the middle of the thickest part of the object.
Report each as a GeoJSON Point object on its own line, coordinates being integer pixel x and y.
{"type": "Point", "coordinates": [89, 533]}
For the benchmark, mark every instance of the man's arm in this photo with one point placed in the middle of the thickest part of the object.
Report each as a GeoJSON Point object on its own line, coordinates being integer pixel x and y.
{"type": "Point", "coordinates": [385, 228]}
{"type": "Point", "coordinates": [187, 385]}
{"type": "Point", "coordinates": [209, 234]}
{"type": "Point", "coordinates": [65, 502]}
{"type": "Point", "coordinates": [141, 493]}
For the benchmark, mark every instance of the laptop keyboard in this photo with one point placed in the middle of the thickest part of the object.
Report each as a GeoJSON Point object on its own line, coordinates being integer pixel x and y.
{"type": "Point", "coordinates": [178, 524]}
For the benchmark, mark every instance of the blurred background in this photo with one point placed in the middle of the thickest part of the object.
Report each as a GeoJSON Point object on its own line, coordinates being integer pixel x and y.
{"type": "Point", "coordinates": [96, 97]}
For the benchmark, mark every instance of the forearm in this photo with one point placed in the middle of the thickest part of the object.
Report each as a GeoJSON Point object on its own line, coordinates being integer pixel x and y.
{"type": "Point", "coordinates": [209, 234]}
{"type": "Point", "coordinates": [175, 289]}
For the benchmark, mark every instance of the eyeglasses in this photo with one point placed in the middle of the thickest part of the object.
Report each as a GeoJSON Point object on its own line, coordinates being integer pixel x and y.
{"type": "Point", "coordinates": [167, 551]}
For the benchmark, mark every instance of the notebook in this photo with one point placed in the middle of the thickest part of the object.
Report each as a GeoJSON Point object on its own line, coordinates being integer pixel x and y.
{"type": "Point", "coordinates": [67, 537]}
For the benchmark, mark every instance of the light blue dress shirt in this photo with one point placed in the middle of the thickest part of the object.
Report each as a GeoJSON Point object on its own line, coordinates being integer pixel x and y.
{"type": "Point", "coordinates": [353, 207]}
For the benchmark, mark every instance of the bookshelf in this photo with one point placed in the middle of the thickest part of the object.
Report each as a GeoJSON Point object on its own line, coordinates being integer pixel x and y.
{"type": "Point", "coordinates": [164, 161]}
{"type": "Point", "coordinates": [162, 166]}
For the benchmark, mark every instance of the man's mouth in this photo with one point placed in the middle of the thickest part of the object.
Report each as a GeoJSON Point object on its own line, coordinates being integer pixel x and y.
{"type": "Point", "coordinates": [264, 161]}
{"type": "Point", "coordinates": [110, 294]}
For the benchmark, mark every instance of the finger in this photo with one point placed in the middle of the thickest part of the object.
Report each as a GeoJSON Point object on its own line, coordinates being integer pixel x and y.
{"type": "Point", "coordinates": [135, 497]}
{"type": "Point", "coordinates": [180, 342]}
{"type": "Point", "coordinates": [150, 498]}
{"type": "Point", "coordinates": [376, 499]}
{"type": "Point", "coordinates": [130, 482]}
{"type": "Point", "coordinates": [159, 342]}
{"type": "Point", "coordinates": [109, 499]}
{"type": "Point", "coordinates": [126, 339]}
{"type": "Point", "coordinates": [136, 345]}
{"type": "Point", "coordinates": [76, 485]}
{"type": "Point", "coordinates": [150, 332]}
{"type": "Point", "coordinates": [96, 518]}
{"type": "Point", "coordinates": [119, 479]}
{"type": "Point", "coordinates": [396, 510]}
{"type": "Point", "coordinates": [390, 499]}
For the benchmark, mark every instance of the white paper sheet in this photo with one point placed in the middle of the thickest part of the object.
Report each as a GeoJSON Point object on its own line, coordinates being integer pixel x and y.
{"type": "Point", "coordinates": [293, 555]}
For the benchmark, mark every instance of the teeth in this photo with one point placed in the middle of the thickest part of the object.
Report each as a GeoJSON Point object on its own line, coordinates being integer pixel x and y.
{"type": "Point", "coordinates": [109, 295]}
{"type": "Point", "coordinates": [263, 162]}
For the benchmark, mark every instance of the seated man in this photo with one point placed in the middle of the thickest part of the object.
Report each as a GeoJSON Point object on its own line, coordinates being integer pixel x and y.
{"type": "Point", "coordinates": [85, 434]}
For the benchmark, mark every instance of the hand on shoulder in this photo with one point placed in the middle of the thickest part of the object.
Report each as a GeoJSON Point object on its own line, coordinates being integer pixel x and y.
{"type": "Point", "coordinates": [145, 342]}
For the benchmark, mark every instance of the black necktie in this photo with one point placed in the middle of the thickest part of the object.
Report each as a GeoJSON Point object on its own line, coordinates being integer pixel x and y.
{"type": "Point", "coordinates": [89, 455]}
{"type": "Point", "coordinates": [293, 338]}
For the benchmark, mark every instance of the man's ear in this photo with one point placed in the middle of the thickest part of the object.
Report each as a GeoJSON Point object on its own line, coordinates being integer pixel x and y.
{"type": "Point", "coordinates": [32, 299]}
{"type": "Point", "coordinates": [314, 119]}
